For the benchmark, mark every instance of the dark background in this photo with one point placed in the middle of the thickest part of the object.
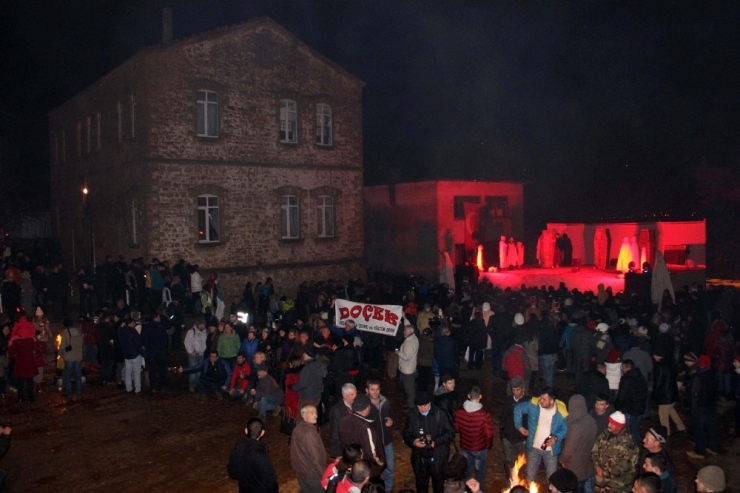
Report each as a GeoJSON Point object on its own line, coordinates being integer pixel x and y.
{"type": "Point", "coordinates": [607, 110]}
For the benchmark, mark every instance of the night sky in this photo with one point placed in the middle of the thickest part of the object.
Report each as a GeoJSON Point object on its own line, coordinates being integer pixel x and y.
{"type": "Point", "coordinates": [605, 109]}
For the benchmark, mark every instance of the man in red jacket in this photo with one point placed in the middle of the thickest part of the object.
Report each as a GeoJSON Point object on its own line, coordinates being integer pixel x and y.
{"type": "Point", "coordinates": [476, 435]}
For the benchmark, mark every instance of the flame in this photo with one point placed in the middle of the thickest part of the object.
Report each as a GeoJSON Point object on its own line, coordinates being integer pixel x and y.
{"type": "Point", "coordinates": [57, 343]}
{"type": "Point", "coordinates": [516, 481]}
{"type": "Point", "coordinates": [479, 258]}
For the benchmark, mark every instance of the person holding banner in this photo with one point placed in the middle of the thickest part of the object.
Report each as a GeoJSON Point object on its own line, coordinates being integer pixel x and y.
{"type": "Point", "coordinates": [407, 364]}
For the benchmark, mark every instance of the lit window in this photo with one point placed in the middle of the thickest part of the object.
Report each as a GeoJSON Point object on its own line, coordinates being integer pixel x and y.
{"type": "Point", "coordinates": [289, 217]}
{"type": "Point", "coordinates": [134, 222]}
{"type": "Point", "coordinates": [207, 114]}
{"type": "Point", "coordinates": [325, 216]}
{"type": "Point", "coordinates": [288, 121]}
{"type": "Point", "coordinates": [323, 125]}
{"type": "Point", "coordinates": [208, 219]}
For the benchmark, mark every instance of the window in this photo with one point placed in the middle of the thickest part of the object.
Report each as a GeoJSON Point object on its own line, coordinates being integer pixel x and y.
{"type": "Point", "coordinates": [208, 219]}
{"type": "Point", "coordinates": [133, 116]}
{"type": "Point", "coordinates": [325, 226]}
{"type": "Point", "coordinates": [97, 133]}
{"type": "Point", "coordinates": [134, 222]}
{"type": "Point", "coordinates": [459, 204]}
{"type": "Point", "coordinates": [89, 134]}
{"type": "Point", "coordinates": [79, 139]}
{"type": "Point", "coordinates": [289, 219]}
{"type": "Point", "coordinates": [498, 206]}
{"type": "Point", "coordinates": [288, 121]}
{"type": "Point", "coordinates": [323, 125]}
{"type": "Point", "coordinates": [120, 121]}
{"type": "Point", "coordinates": [207, 114]}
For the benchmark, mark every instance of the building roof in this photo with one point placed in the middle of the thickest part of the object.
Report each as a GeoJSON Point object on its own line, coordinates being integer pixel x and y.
{"type": "Point", "coordinates": [453, 180]}
{"type": "Point", "coordinates": [250, 25]}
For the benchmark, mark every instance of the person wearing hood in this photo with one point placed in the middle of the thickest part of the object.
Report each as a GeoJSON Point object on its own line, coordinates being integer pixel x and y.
{"type": "Point", "coordinates": [579, 440]}
{"type": "Point", "coordinates": [476, 434]}
{"type": "Point", "coordinates": [71, 351]}
{"type": "Point", "coordinates": [22, 347]}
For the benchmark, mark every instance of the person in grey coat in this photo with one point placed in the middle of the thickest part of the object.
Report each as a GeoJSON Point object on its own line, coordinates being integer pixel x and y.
{"type": "Point", "coordinates": [579, 440]}
{"type": "Point", "coordinates": [310, 380]}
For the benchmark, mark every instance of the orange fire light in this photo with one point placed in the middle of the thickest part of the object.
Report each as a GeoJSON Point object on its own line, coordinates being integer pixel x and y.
{"type": "Point", "coordinates": [57, 343]}
{"type": "Point", "coordinates": [516, 481]}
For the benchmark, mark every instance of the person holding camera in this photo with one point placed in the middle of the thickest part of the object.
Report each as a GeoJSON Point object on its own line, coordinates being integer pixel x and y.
{"type": "Point", "coordinates": [428, 433]}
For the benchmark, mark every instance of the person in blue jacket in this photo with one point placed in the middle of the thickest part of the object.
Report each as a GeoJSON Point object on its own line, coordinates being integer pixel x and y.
{"type": "Point", "coordinates": [545, 431]}
{"type": "Point", "coordinates": [215, 374]}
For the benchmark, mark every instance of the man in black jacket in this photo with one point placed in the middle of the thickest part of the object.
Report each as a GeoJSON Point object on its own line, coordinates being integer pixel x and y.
{"type": "Point", "coordinates": [592, 383]}
{"type": "Point", "coordinates": [514, 442]}
{"type": "Point", "coordinates": [632, 397]}
{"type": "Point", "coordinates": [428, 433]}
{"type": "Point", "coordinates": [250, 464]}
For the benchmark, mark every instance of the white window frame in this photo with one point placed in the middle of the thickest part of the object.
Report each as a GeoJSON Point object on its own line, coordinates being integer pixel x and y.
{"type": "Point", "coordinates": [134, 222]}
{"type": "Point", "coordinates": [290, 212]}
{"type": "Point", "coordinates": [324, 131]}
{"type": "Point", "coordinates": [288, 116]}
{"type": "Point", "coordinates": [207, 102]}
{"type": "Point", "coordinates": [212, 203]}
{"type": "Point", "coordinates": [326, 215]}
{"type": "Point", "coordinates": [120, 121]}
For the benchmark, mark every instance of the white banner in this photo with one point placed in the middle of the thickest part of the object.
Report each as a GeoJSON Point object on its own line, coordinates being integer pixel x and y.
{"type": "Point", "coordinates": [381, 319]}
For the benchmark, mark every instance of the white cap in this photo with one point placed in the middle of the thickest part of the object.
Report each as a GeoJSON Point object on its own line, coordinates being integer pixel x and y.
{"type": "Point", "coordinates": [602, 327]}
{"type": "Point", "coordinates": [519, 319]}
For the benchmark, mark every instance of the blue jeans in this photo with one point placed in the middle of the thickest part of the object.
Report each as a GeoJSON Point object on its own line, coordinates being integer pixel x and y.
{"type": "Point", "coordinates": [193, 377]}
{"type": "Point", "coordinates": [390, 466]}
{"type": "Point", "coordinates": [477, 462]}
{"type": "Point", "coordinates": [72, 369]}
{"type": "Point", "coordinates": [537, 456]}
{"type": "Point", "coordinates": [266, 404]}
{"type": "Point", "coordinates": [633, 423]}
{"type": "Point", "coordinates": [547, 368]}
{"type": "Point", "coordinates": [586, 486]}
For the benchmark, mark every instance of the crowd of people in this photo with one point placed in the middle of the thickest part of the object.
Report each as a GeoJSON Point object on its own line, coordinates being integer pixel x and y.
{"type": "Point", "coordinates": [282, 353]}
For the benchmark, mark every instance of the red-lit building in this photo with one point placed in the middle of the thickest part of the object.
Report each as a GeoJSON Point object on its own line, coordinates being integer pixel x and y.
{"type": "Point", "coordinates": [409, 226]}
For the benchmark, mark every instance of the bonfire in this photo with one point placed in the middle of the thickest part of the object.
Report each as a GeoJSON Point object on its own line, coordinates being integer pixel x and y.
{"type": "Point", "coordinates": [514, 480]}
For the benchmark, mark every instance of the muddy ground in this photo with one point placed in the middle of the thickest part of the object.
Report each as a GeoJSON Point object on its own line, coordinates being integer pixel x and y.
{"type": "Point", "coordinates": [106, 440]}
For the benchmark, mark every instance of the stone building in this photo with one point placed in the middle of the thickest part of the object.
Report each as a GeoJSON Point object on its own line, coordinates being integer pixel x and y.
{"type": "Point", "coordinates": [239, 149]}
{"type": "Point", "coordinates": [409, 226]}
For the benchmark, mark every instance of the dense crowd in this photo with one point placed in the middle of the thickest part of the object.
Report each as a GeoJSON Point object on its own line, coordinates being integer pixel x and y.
{"type": "Point", "coordinates": [282, 353]}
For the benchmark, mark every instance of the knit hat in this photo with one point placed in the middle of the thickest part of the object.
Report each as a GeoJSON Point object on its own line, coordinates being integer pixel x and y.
{"type": "Point", "coordinates": [659, 432]}
{"type": "Point", "coordinates": [705, 361]}
{"type": "Point", "coordinates": [617, 419]}
{"type": "Point", "coordinates": [663, 328]}
{"type": "Point", "coordinates": [712, 477]}
{"type": "Point", "coordinates": [641, 332]}
{"type": "Point", "coordinates": [324, 316]}
{"type": "Point", "coordinates": [422, 399]}
{"type": "Point", "coordinates": [613, 356]}
{"type": "Point", "coordinates": [690, 357]}
{"type": "Point", "coordinates": [564, 480]}
{"type": "Point", "coordinates": [361, 403]}
{"type": "Point", "coordinates": [519, 319]}
{"type": "Point", "coordinates": [602, 327]}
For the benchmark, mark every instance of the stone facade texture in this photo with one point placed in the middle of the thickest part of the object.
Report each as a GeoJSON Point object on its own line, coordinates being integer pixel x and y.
{"type": "Point", "coordinates": [145, 176]}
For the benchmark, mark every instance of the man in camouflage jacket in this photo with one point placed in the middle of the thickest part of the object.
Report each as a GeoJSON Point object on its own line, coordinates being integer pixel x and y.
{"type": "Point", "coordinates": [614, 456]}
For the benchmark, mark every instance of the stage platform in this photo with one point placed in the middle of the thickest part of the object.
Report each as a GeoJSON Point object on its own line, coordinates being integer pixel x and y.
{"type": "Point", "coordinates": [586, 278]}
